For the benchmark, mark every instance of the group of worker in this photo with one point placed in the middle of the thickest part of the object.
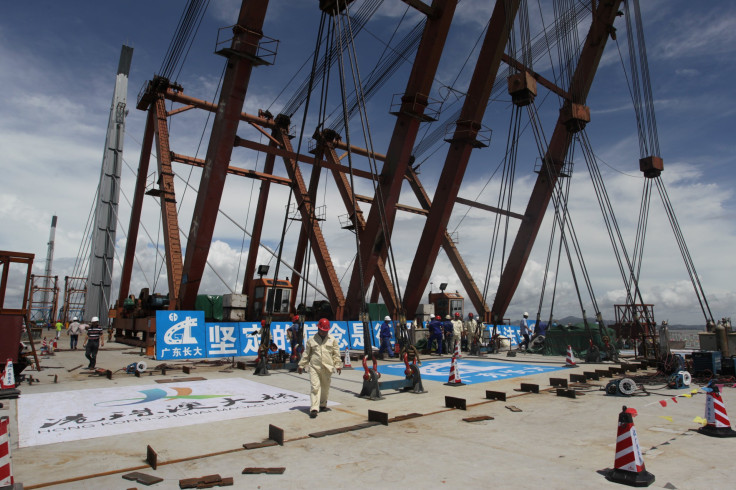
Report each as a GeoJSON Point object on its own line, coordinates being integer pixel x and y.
{"type": "Point", "coordinates": [93, 337]}
{"type": "Point", "coordinates": [445, 334]}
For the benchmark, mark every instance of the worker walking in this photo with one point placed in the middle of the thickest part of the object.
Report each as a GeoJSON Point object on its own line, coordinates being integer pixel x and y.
{"type": "Point", "coordinates": [59, 327]}
{"type": "Point", "coordinates": [524, 330]}
{"type": "Point", "coordinates": [385, 336]}
{"type": "Point", "coordinates": [435, 333]}
{"type": "Point", "coordinates": [322, 356]}
{"type": "Point", "coordinates": [93, 342]}
{"type": "Point", "coordinates": [75, 328]}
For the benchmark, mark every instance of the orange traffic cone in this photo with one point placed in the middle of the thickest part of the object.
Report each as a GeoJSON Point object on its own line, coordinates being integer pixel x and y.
{"type": "Point", "coordinates": [7, 382]}
{"type": "Point", "coordinates": [570, 359]}
{"type": "Point", "coordinates": [6, 470]}
{"type": "Point", "coordinates": [628, 466]}
{"type": "Point", "coordinates": [719, 424]}
{"type": "Point", "coordinates": [347, 364]}
{"type": "Point", "coordinates": [457, 354]}
{"type": "Point", "coordinates": [454, 379]}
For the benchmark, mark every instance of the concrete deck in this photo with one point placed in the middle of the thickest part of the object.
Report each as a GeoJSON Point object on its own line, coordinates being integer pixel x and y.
{"type": "Point", "coordinates": [552, 443]}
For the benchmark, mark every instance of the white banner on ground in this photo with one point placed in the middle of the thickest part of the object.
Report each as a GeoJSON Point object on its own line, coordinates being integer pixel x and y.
{"type": "Point", "coordinates": [46, 418]}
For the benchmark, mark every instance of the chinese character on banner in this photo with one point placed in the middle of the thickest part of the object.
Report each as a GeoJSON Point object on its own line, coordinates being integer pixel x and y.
{"type": "Point", "coordinates": [249, 343]}
{"type": "Point", "coordinates": [222, 339]}
{"type": "Point", "coordinates": [310, 328]}
{"type": "Point", "coordinates": [357, 335]}
{"type": "Point", "coordinates": [278, 334]}
{"type": "Point", "coordinates": [339, 331]}
{"type": "Point", "coordinates": [180, 334]}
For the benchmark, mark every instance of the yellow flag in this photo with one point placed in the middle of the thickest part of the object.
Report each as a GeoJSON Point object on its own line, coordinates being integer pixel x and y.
{"type": "Point", "coordinates": [694, 391]}
{"type": "Point", "coordinates": [700, 420]}
{"type": "Point", "coordinates": [687, 395]}
{"type": "Point", "coordinates": [666, 417]}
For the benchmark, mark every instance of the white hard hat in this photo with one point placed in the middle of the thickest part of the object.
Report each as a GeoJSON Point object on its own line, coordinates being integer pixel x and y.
{"type": "Point", "coordinates": [387, 319]}
{"type": "Point", "coordinates": [526, 314]}
{"type": "Point", "coordinates": [75, 319]}
{"type": "Point", "coordinates": [94, 319]}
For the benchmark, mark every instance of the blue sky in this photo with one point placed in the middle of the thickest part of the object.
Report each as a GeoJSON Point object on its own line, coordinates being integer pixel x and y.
{"type": "Point", "coordinates": [57, 70]}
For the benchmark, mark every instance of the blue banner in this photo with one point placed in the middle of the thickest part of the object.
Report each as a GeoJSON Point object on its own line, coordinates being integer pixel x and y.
{"type": "Point", "coordinates": [180, 335]}
{"type": "Point", "coordinates": [185, 335]}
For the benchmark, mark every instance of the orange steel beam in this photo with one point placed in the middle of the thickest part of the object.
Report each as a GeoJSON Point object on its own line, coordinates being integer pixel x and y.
{"type": "Point", "coordinates": [539, 78]}
{"type": "Point", "coordinates": [303, 240]}
{"type": "Point", "coordinates": [244, 47]}
{"type": "Point", "coordinates": [463, 273]}
{"type": "Point", "coordinates": [559, 144]}
{"type": "Point", "coordinates": [258, 220]}
{"type": "Point", "coordinates": [241, 172]}
{"type": "Point", "coordinates": [374, 241]}
{"type": "Point", "coordinates": [253, 145]}
{"type": "Point", "coordinates": [306, 208]}
{"type": "Point", "coordinates": [461, 146]}
{"type": "Point", "coordinates": [137, 206]}
{"type": "Point", "coordinates": [167, 198]}
{"type": "Point", "coordinates": [382, 279]}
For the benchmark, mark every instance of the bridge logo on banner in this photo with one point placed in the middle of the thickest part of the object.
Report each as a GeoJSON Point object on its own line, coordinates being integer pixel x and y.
{"type": "Point", "coordinates": [185, 335]}
{"type": "Point", "coordinates": [180, 335]}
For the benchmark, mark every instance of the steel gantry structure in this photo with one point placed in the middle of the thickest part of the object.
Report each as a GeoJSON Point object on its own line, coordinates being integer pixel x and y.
{"type": "Point", "coordinates": [185, 273]}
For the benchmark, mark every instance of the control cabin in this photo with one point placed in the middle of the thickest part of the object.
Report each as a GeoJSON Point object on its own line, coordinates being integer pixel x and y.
{"type": "Point", "coordinates": [447, 304]}
{"type": "Point", "coordinates": [262, 287]}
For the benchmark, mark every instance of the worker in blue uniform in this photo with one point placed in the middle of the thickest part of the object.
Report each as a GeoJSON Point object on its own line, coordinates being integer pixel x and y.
{"type": "Point", "coordinates": [435, 333]}
{"type": "Point", "coordinates": [385, 336]}
{"type": "Point", "coordinates": [448, 329]}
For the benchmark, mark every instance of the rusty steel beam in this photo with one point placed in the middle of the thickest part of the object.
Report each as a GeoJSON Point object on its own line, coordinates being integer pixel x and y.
{"type": "Point", "coordinates": [303, 240]}
{"type": "Point", "coordinates": [253, 145]}
{"type": "Point", "coordinates": [559, 144]}
{"type": "Point", "coordinates": [246, 37]}
{"type": "Point", "coordinates": [241, 172]}
{"type": "Point", "coordinates": [321, 255]}
{"type": "Point", "coordinates": [175, 95]}
{"type": "Point", "coordinates": [258, 220]}
{"type": "Point", "coordinates": [551, 86]}
{"type": "Point", "coordinates": [167, 197]}
{"type": "Point", "coordinates": [382, 279]}
{"type": "Point", "coordinates": [493, 209]}
{"type": "Point", "coordinates": [136, 207]}
{"type": "Point", "coordinates": [462, 271]}
{"type": "Point", "coordinates": [461, 146]}
{"type": "Point", "coordinates": [374, 242]}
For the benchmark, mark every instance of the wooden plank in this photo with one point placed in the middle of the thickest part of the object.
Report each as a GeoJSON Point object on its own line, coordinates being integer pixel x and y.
{"type": "Point", "coordinates": [496, 395]}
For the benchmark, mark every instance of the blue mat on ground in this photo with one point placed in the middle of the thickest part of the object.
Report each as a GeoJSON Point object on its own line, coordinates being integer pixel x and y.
{"type": "Point", "coordinates": [471, 371]}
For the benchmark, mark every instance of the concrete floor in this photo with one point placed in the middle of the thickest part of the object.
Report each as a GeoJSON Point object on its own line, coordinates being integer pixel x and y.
{"type": "Point", "coordinates": [552, 443]}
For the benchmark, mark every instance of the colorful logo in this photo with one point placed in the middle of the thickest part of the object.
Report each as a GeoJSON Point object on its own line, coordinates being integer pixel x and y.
{"type": "Point", "coordinates": [155, 394]}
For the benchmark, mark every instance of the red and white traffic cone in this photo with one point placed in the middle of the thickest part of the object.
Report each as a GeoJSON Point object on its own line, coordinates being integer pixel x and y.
{"type": "Point", "coordinates": [55, 344]}
{"type": "Point", "coordinates": [6, 470]}
{"type": "Point", "coordinates": [570, 359]}
{"type": "Point", "coordinates": [457, 353]}
{"type": "Point", "coordinates": [628, 467]}
{"type": "Point", "coordinates": [44, 346]}
{"type": "Point", "coordinates": [718, 424]}
{"type": "Point", "coordinates": [454, 379]}
{"type": "Point", "coordinates": [7, 382]}
{"type": "Point", "coordinates": [347, 364]}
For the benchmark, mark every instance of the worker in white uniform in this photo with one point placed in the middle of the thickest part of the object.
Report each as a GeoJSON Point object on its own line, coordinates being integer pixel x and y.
{"type": "Point", "coordinates": [322, 356]}
{"type": "Point", "coordinates": [457, 329]}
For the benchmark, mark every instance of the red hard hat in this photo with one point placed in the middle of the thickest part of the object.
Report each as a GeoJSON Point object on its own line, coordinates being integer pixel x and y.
{"type": "Point", "coordinates": [470, 315]}
{"type": "Point", "coordinates": [296, 318]}
{"type": "Point", "coordinates": [437, 318]}
{"type": "Point", "coordinates": [324, 325]}
{"type": "Point", "coordinates": [457, 314]}
{"type": "Point", "coordinates": [263, 323]}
